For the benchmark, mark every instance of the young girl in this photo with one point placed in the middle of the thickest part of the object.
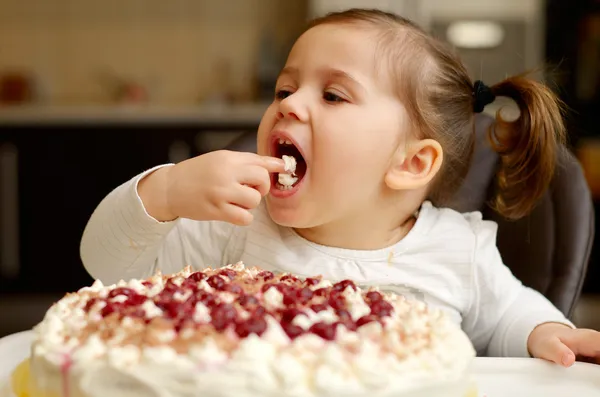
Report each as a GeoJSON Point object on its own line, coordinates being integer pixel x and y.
{"type": "Point", "coordinates": [379, 117]}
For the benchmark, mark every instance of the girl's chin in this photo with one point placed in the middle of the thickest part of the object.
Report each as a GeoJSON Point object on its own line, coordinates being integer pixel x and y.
{"type": "Point", "coordinates": [286, 217]}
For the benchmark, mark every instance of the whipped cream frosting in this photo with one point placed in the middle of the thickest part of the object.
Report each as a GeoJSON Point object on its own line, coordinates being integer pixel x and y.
{"type": "Point", "coordinates": [377, 344]}
{"type": "Point", "coordinates": [289, 177]}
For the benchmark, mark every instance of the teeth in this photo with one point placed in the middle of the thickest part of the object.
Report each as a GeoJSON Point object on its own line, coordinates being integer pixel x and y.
{"type": "Point", "coordinates": [281, 141]}
{"type": "Point", "coordinates": [285, 142]}
{"type": "Point", "coordinates": [283, 187]}
{"type": "Point", "coordinates": [288, 142]}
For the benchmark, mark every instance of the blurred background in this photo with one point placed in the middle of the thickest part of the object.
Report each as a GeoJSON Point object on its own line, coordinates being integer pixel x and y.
{"type": "Point", "coordinates": [92, 92]}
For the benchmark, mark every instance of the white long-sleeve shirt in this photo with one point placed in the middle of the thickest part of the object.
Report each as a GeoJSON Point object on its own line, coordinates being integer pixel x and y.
{"type": "Point", "coordinates": [448, 260]}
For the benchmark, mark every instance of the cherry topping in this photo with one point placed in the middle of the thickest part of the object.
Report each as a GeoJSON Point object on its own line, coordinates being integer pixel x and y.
{"type": "Point", "coordinates": [223, 315]}
{"type": "Point", "coordinates": [121, 291]}
{"type": "Point", "coordinates": [216, 282]}
{"type": "Point", "coordinates": [138, 313]}
{"type": "Point", "coordinates": [259, 311]}
{"type": "Point", "coordinates": [337, 300]}
{"type": "Point", "coordinates": [170, 287]}
{"type": "Point", "coordinates": [147, 284]}
{"type": "Point", "coordinates": [366, 319]}
{"type": "Point", "coordinates": [374, 296]}
{"type": "Point", "coordinates": [322, 291]}
{"type": "Point", "coordinates": [381, 308]}
{"type": "Point", "coordinates": [189, 284]}
{"type": "Point", "coordinates": [90, 303]}
{"type": "Point", "coordinates": [288, 315]}
{"type": "Point", "coordinates": [304, 295]}
{"type": "Point", "coordinates": [324, 330]}
{"type": "Point", "coordinates": [135, 300]}
{"type": "Point", "coordinates": [342, 285]}
{"type": "Point", "coordinates": [206, 298]}
{"type": "Point", "coordinates": [253, 325]}
{"type": "Point", "coordinates": [312, 281]}
{"type": "Point", "coordinates": [344, 315]}
{"type": "Point", "coordinates": [247, 300]}
{"type": "Point", "coordinates": [229, 273]}
{"type": "Point", "coordinates": [319, 307]}
{"type": "Point", "coordinates": [293, 331]}
{"type": "Point", "coordinates": [110, 308]}
{"type": "Point", "coordinates": [233, 288]}
{"type": "Point", "coordinates": [289, 277]}
{"type": "Point", "coordinates": [173, 308]}
{"type": "Point", "coordinates": [266, 275]}
{"type": "Point", "coordinates": [198, 276]}
{"type": "Point", "coordinates": [266, 287]}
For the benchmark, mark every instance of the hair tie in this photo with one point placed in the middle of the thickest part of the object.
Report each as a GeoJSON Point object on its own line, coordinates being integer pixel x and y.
{"type": "Point", "coordinates": [482, 96]}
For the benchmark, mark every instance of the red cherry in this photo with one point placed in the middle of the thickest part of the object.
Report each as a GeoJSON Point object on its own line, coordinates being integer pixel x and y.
{"type": "Point", "coordinates": [216, 282]}
{"type": "Point", "coordinates": [322, 291]}
{"type": "Point", "coordinates": [206, 298]}
{"type": "Point", "coordinates": [288, 315]}
{"type": "Point", "coordinates": [229, 273]}
{"type": "Point", "coordinates": [319, 307]}
{"type": "Point", "coordinates": [286, 289]}
{"type": "Point", "coordinates": [266, 275]}
{"type": "Point", "coordinates": [365, 320]}
{"type": "Point", "coordinates": [197, 277]}
{"type": "Point", "coordinates": [189, 284]}
{"type": "Point", "coordinates": [344, 315]}
{"type": "Point", "coordinates": [253, 325]}
{"type": "Point", "coordinates": [324, 330]}
{"type": "Point", "coordinates": [223, 315]}
{"type": "Point", "coordinates": [172, 309]}
{"type": "Point", "coordinates": [233, 288]}
{"type": "Point", "coordinates": [381, 308]}
{"type": "Point", "coordinates": [342, 285]}
{"type": "Point", "coordinates": [374, 296]}
{"type": "Point", "coordinates": [110, 308]}
{"type": "Point", "coordinates": [289, 277]}
{"type": "Point", "coordinates": [293, 331]}
{"type": "Point", "coordinates": [337, 300]}
{"type": "Point", "coordinates": [259, 311]}
{"type": "Point", "coordinates": [147, 284]}
{"type": "Point", "coordinates": [350, 325]}
{"type": "Point", "coordinates": [136, 300]}
{"type": "Point", "coordinates": [138, 313]}
{"type": "Point", "coordinates": [304, 295]}
{"type": "Point", "coordinates": [247, 300]}
{"type": "Point", "coordinates": [90, 303]}
{"type": "Point", "coordinates": [121, 291]}
{"type": "Point", "coordinates": [170, 287]}
{"type": "Point", "coordinates": [312, 281]}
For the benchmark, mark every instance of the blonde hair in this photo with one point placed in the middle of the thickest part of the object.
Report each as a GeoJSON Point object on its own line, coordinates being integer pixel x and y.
{"type": "Point", "coordinates": [435, 88]}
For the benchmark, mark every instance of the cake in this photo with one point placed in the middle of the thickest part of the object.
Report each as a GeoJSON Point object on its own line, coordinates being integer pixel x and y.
{"type": "Point", "coordinates": [240, 331]}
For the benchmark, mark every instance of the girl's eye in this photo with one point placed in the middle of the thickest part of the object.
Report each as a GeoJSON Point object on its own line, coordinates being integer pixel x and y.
{"type": "Point", "coordinates": [331, 97]}
{"type": "Point", "coordinates": [282, 94]}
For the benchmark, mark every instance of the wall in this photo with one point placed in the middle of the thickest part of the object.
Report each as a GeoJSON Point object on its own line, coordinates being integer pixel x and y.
{"type": "Point", "coordinates": [176, 47]}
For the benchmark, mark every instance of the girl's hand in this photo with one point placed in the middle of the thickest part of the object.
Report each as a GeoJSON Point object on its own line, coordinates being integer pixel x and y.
{"type": "Point", "coordinates": [562, 344]}
{"type": "Point", "coordinates": [221, 185]}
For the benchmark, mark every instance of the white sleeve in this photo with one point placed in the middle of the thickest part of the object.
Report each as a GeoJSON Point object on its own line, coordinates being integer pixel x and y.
{"type": "Point", "coordinates": [122, 241]}
{"type": "Point", "coordinates": [503, 311]}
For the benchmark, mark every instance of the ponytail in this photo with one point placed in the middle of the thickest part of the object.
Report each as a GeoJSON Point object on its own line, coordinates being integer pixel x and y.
{"type": "Point", "coordinates": [528, 146]}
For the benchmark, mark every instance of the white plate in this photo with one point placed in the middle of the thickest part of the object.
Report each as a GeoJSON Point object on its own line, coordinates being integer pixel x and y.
{"type": "Point", "coordinates": [495, 377]}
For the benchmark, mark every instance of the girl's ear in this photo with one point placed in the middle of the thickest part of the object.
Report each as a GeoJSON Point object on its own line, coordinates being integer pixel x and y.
{"type": "Point", "coordinates": [414, 166]}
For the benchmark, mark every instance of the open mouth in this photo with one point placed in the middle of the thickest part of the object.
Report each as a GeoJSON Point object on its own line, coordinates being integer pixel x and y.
{"type": "Point", "coordinates": [283, 147]}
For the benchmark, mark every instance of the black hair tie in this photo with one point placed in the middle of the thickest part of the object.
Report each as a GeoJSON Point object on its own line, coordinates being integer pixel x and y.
{"type": "Point", "coordinates": [482, 96]}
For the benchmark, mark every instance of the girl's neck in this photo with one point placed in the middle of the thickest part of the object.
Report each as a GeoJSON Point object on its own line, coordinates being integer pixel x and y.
{"type": "Point", "coordinates": [365, 230]}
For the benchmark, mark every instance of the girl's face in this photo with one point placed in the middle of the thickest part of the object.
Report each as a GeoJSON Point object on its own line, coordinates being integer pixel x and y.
{"type": "Point", "coordinates": [335, 108]}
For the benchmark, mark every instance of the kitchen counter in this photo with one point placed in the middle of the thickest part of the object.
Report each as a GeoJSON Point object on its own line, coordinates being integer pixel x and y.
{"type": "Point", "coordinates": [232, 115]}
